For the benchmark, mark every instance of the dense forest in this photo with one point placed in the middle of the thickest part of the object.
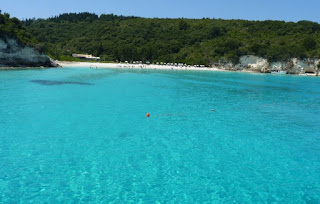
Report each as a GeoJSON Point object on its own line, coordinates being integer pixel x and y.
{"type": "Point", "coordinates": [191, 41]}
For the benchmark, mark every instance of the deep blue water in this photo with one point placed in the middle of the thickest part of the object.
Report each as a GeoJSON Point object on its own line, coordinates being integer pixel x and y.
{"type": "Point", "coordinates": [80, 135]}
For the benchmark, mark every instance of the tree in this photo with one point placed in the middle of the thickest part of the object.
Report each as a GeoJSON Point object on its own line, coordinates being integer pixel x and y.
{"type": "Point", "coordinates": [183, 25]}
{"type": "Point", "coordinates": [309, 43]}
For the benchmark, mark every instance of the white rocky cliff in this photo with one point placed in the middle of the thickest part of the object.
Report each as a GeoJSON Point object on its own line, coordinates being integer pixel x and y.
{"type": "Point", "coordinates": [292, 66]}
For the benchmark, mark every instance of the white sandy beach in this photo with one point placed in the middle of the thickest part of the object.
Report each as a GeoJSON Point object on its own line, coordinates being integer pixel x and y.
{"type": "Point", "coordinates": [99, 65]}
{"type": "Point", "coordinates": [132, 66]}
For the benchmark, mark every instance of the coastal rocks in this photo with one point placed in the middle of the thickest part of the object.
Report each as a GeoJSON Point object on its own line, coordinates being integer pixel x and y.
{"type": "Point", "coordinates": [253, 63]}
{"type": "Point", "coordinates": [54, 63]}
{"type": "Point", "coordinates": [258, 64]}
{"type": "Point", "coordinates": [304, 66]}
{"type": "Point", "coordinates": [296, 66]}
{"type": "Point", "coordinates": [278, 66]}
{"type": "Point", "coordinates": [14, 55]}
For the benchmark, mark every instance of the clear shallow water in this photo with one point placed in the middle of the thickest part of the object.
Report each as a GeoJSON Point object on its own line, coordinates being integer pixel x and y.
{"type": "Point", "coordinates": [91, 142]}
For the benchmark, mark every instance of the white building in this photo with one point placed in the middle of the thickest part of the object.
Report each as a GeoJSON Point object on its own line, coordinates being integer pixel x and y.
{"type": "Point", "coordinates": [85, 56]}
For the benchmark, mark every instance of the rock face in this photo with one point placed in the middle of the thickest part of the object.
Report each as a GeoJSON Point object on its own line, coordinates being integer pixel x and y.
{"type": "Point", "coordinates": [253, 63]}
{"type": "Point", "coordinates": [303, 66]}
{"type": "Point", "coordinates": [259, 64]}
{"type": "Point", "coordinates": [14, 55]}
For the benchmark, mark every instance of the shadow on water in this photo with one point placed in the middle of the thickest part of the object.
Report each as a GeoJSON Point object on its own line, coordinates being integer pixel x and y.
{"type": "Point", "coordinates": [100, 74]}
{"type": "Point", "coordinates": [53, 82]}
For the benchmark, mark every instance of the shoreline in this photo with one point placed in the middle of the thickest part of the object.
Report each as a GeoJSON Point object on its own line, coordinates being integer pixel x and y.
{"type": "Point", "coordinates": [98, 65]}
{"type": "Point", "coordinates": [101, 65]}
{"type": "Point", "coordinates": [106, 65]}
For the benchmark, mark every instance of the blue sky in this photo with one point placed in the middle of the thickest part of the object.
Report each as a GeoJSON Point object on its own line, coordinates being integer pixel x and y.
{"type": "Point", "coordinates": [293, 10]}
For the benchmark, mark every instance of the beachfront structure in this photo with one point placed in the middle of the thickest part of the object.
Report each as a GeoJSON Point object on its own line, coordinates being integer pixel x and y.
{"type": "Point", "coordinates": [85, 56]}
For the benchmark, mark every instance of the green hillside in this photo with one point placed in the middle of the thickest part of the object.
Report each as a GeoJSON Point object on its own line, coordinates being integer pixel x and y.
{"type": "Point", "coordinates": [17, 46]}
{"type": "Point", "coordinates": [14, 28]}
{"type": "Point", "coordinates": [191, 41]}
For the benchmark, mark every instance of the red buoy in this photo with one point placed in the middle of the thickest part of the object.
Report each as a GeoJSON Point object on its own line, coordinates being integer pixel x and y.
{"type": "Point", "coordinates": [148, 115]}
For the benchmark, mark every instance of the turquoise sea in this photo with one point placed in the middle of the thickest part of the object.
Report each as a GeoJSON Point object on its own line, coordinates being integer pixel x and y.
{"type": "Point", "coordinates": [81, 135]}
